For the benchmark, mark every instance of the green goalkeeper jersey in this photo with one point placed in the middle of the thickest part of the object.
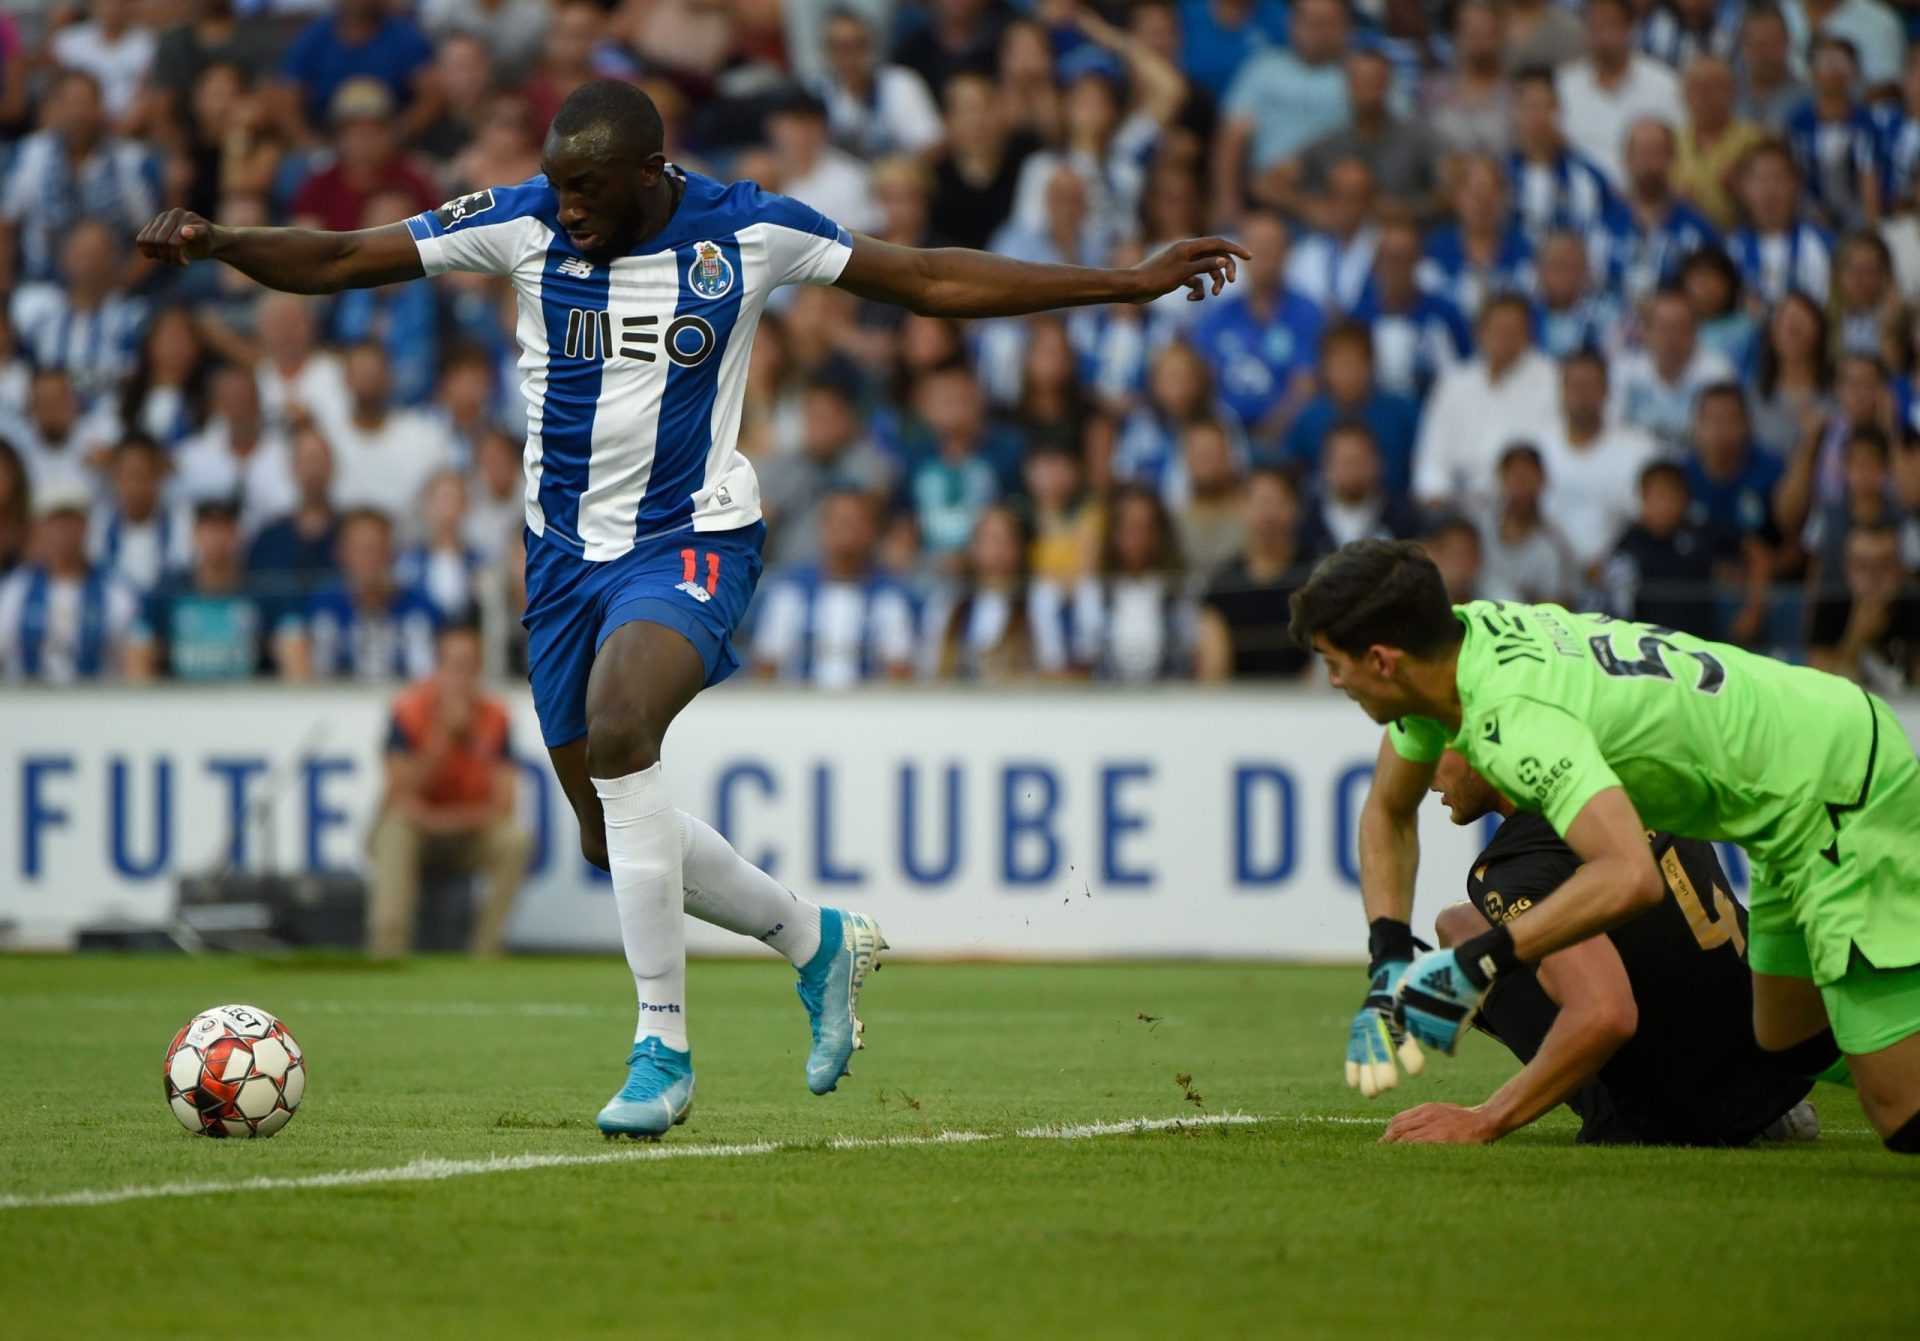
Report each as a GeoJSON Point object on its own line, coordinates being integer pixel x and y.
{"type": "Point", "coordinates": [1708, 740]}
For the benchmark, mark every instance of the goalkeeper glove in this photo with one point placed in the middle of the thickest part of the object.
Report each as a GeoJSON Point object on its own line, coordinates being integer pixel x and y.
{"type": "Point", "coordinates": [1376, 1038]}
{"type": "Point", "coordinates": [1437, 996]}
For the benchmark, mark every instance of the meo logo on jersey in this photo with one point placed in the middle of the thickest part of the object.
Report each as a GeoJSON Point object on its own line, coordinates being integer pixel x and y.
{"type": "Point", "coordinates": [590, 336]}
{"type": "Point", "coordinates": [711, 274]}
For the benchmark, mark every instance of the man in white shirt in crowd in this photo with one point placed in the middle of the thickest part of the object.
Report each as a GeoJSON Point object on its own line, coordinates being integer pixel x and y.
{"type": "Point", "coordinates": [83, 322]}
{"type": "Point", "coordinates": [1874, 29]}
{"type": "Point", "coordinates": [496, 496]}
{"type": "Point", "coordinates": [238, 455]}
{"type": "Point", "coordinates": [1655, 386]}
{"type": "Point", "coordinates": [112, 48]}
{"type": "Point", "coordinates": [382, 456]}
{"type": "Point", "coordinates": [54, 438]}
{"type": "Point", "coordinates": [297, 378]}
{"type": "Point", "coordinates": [1593, 470]}
{"type": "Point", "coordinates": [1478, 407]}
{"type": "Point", "coordinates": [136, 535]}
{"type": "Point", "coordinates": [873, 108]}
{"type": "Point", "coordinates": [60, 619]}
{"type": "Point", "coordinates": [1612, 87]}
{"type": "Point", "coordinates": [838, 622]}
{"type": "Point", "coordinates": [815, 173]}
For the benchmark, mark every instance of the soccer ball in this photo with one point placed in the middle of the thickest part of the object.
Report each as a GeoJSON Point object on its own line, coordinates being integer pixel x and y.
{"type": "Point", "coordinates": [234, 1071]}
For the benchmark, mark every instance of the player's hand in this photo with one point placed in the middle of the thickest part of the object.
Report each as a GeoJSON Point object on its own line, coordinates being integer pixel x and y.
{"type": "Point", "coordinates": [176, 237]}
{"type": "Point", "coordinates": [1190, 265]}
{"type": "Point", "coordinates": [1440, 1124]}
{"type": "Point", "coordinates": [1376, 1039]}
{"type": "Point", "coordinates": [1435, 1000]}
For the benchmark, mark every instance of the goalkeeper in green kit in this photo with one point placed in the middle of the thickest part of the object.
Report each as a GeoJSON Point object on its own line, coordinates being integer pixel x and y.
{"type": "Point", "coordinates": [1611, 729]}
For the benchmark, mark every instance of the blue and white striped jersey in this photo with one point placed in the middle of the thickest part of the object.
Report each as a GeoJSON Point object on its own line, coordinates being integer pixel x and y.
{"type": "Point", "coordinates": [635, 371]}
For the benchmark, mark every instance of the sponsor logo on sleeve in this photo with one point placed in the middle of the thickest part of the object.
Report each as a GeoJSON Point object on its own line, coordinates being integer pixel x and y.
{"type": "Point", "coordinates": [456, 212]}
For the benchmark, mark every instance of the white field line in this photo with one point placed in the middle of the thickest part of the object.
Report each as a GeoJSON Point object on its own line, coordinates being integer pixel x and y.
{"type": "Point", "coordinates": [429, 1170]}
{"type": "Point", "coordinates": [295, 1009]}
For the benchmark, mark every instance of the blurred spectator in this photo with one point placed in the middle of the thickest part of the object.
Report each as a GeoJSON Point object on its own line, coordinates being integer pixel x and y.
{"type": "Point", "coordinates": [449, 801]}
{"type": "Point", "coordinates": [1280, 100]}
{"type": "Point", "coordinates": [874, 108]}
{"type": "Point", "coordinates": [1712, 142]}
{"type": "Point", "coordinates": [69, 170]}
{"type": "Point", "coordinates": [504, 147]}
{"type": "Point", "coordinates": [1870, 631]}
{"type": "Point", "coordinates": [360, 40]}
{"type": "Point", "coordinates": [816, 173]}
{"type": "Point", "coordinates": [1067, 233]}
{"type": "Point", "coordinates": [1793, 374]}
{"type": "Point", "coordinates": [464, 71]}
{"type": "Point", "coordinates": [1649, 232]}
{"type": "Point", "coordinates": [1865, 498]}
{"type": "Point", "coordinates": [210, 32]}
{"type": "Point", "coordinates": [1712, 285]}
{"type": "Point", "coordinates": [1524, 556]}
{"type": "Point", "coordinates": [1417, 335]}
{"type": "Point", "coordinates": [1454, 546]}
{"type": "Point", "coordinates": [295, 554]}
{"type": "Point", "coordinates": [367, 161]}
{"type": "Point", "coordinates": [1208, 524]}
{"type": "Point", "coordinates": [61, 619]}
{"type": "Point", "coordinates": [1871, 28]}
{"type": "Point", "coordinates": [1654, 387]}
{"type": "Point", "coordinates": [576, 49]}
{"type": "Point", "coordinates": [1217, 36]}
{"type": "Point", "coordinates": [1243, 620]}
{"type": "Point", "coordinates": [1555, 188]}
{"type": "Point", "coordinates": [1730, 484]}
{"type": "Point", "coordinates": [135, 536]}
{"type": "Point", "coordinates": [1067, 522]}
{"type": "Point", "coordinates": [1541, 35]}
{"type": "Point", "coordinates": [1054, 401]}
{"type": "Point", "coordinates": [975, 174]}
{"type": "Point", "coordinates": [1868, 315]}
{"type": "Point", "coordinates": [16, 508]}
{"type": "Point", "coordinates": [1180, 391]}
{"type": "Point", "coordinates": [204, 623]}
{"type": "Point", "coordinates": [496, 496]}
{"type": "Point", "coordinates": [227, 145]}
{"type": "Point", "coordinates": [383, 456]}
{"type": "Point", "coordinates": [402, 318]}
{"type": "Point", "coordinates": [984, 630]}
{"type": "Point", "coordinates": [1262, 339]}
{"type": "Point", "coordinates": [165, 395]}
{"type": "Point", "coordinates": [368, 627]}
{"type": "Point", "coordinates": [514, 30]}
{"type": "Point", "coordinates": [836, 455]}
{"type": "Point", "coordinates": [298, 379]}
{"type": "Point", "coordinates": [1351, 501]}
{"type": "Point", "coordinates": [1027, 93]}
{"type": "Point", "coordinates": [82, 322]}
{"type": "Point", "coordinates": [1779, 250]}
{"type": "Point", "coordinates": [1593, 468]}
{"type": "Point", "coordinates": [840, 621]}
{"type": "Point", "coordinates": [951, 486]}
{"type": "Point", "coordinates": [1349, 394]}
{"type": "Point", "coordinates": [1662, 570]}
{"type": "Point", "coordinates": [112, 46]}
{"type": "Point", "coordinates": [1402, 157]}
{"type": "Point", "coordinates": [1612, 87]}
{"type": "Point", "coordinates": [238, 455]}
{"type": "Point", "coordinates": [1483, 251]}
{"type": "Point", "coordinates": [1835, 142]}
{"type": "Point", "coordinates": [961, 37]}
{"type": "Point", "coordinates": [1470, 106]}
{"type": "Point", "coordinates": [1768, 87]}
{"type": "Point", "coordinates": [1682, 30]}
{"type": "Point", "coordinates": [1900, 141]}
{"type": "Point", "coordinates": [16, 371]}
{"type": "Point", "coordinates": [443, 568]}
{"type": "Point", "coordinates": [1572, 312]}
{"type": "Point", "coordinates": [1129, 622]}
{"type": "Point", "coordinates": [1507, 391]}
{"type": "Point", "coordinates": [54, 438]}
{"type": "Point", "coordinates": [1330, 266]}
{"type": "Point", "coordinates": [1817, 474]}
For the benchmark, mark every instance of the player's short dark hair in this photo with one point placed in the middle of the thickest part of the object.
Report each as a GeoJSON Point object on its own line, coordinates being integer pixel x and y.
{"type": "Point", "coordinates": [1376, 591]}
{"type": "Point", "coordinates": [621, 112]}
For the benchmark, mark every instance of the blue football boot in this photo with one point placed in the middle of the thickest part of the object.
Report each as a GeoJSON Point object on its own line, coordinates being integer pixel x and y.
{"type": "Point", "coordinates": [656, 1097]}
{"type": "Point", "coordinates": [829, 987]}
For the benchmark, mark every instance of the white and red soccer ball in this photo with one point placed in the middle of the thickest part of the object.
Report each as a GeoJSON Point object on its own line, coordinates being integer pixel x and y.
{"type": "Point", "coordinates": [234, 1071]}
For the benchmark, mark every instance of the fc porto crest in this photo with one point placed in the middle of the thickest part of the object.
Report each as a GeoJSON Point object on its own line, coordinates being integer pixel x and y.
{"type": "Point", "coordinates": [711, 274]}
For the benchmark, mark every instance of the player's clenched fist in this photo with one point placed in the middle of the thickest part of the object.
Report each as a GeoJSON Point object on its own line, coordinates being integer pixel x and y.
{"type": "Point", "coordinates": [176, 237]}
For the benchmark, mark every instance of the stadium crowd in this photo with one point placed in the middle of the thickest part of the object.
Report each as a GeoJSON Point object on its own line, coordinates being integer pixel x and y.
{"type": "Point", "coordinates": [1611, 303]}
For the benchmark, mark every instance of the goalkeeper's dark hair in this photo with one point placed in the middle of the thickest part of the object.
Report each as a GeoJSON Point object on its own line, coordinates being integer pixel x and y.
{"type": "Point", "coordinates": [1376, 592]}
{"type": "Point", "coordinates": [618, 112]}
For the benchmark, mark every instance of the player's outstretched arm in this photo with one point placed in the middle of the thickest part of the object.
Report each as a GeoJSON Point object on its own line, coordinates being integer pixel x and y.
{"type": "Point", "coordinates": [1389, 857]}
{"type": "Point", "coordinates": [293, 260]}
{"type": "Point", "coordinates": [956, 282]}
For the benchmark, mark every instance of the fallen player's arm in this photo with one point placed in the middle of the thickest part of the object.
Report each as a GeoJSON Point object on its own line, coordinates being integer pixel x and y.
{"type": "Point", "coordinates": [1597, 1016]}
{"type": "Point", "coordinates": [956, 282]}
{"type": "Point", "coordinates": [1616, 882]}
{"type": "Point", "coordinates": [1390, 834]}
{"type": "Point", "coordinates": [293, 260]}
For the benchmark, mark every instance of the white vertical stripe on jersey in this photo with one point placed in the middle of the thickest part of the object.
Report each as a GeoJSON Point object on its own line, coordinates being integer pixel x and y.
{"type": "Point", "coordinates": [531, 331]}
{"type": "Point", "coordinates": [626, 419]}
{"type": "Point", "coordinates": [726, 469]}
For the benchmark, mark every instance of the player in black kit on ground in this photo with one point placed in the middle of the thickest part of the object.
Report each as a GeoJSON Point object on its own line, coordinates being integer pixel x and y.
{"type": "Point", "coordinates": [1646, 1032]}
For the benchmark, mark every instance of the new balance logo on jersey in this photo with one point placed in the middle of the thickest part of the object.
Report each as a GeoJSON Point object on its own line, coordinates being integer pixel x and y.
{"type": "Point", "coordinates": [590, 336]}
{"type": "Point", "coordinates": [575, 268]}
{"type": "Point", "coordinates": [699, 593]}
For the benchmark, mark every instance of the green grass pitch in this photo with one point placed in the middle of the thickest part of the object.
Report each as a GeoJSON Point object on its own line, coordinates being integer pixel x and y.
{"type": "Point", "coordinates": [1299, 1225]}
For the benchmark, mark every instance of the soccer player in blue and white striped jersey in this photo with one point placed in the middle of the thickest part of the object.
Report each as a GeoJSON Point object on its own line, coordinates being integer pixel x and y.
{"type": "Point", "coordinates": [639, 287]}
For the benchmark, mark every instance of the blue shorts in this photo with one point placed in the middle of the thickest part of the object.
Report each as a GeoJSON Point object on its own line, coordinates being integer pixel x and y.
{"type": "Point", "coordinates": [696, 583]}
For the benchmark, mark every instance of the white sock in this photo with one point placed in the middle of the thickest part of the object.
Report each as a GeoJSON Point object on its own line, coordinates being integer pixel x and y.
{"type": "Point", "coordinates": [643, 850]}
{"type": "Point", "coordinates": [724, 888]}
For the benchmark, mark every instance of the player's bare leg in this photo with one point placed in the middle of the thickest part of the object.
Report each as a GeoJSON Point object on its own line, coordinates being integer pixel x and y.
{"type": "Point", "coordinates": [1786, 1011]}
{"type": "Point", "coordinates": [1889, 1085]}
